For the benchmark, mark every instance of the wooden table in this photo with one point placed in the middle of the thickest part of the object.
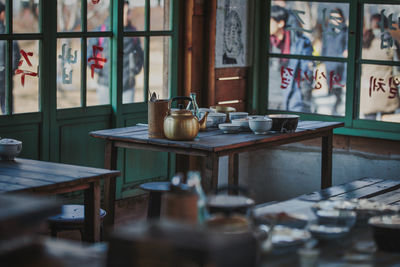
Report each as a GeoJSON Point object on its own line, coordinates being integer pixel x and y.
{"type": "Point", "coordinates": [213, 144]}
{"type": "Point", "coordinates": [40, 177]}
{"type": "Point", "coordinates": [336, 253]}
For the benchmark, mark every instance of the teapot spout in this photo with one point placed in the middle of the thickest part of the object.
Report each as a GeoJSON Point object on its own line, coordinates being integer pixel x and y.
{"type": "Point", "coordinates": [203, 122]}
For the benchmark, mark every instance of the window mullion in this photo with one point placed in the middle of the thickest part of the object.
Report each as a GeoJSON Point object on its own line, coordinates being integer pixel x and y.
{"type": "Point", "coordinates": [147, 51]}
{"type": "Point", "coordinates": [9, 74]}
{"type": "Point", "coordinates": [351, 92]}
{"type": "Point", "coordinates": [83, 54]}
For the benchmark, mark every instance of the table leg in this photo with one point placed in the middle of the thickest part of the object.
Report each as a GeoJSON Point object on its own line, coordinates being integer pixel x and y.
{"type": "Point", "coordinates": [92, 212]}
{"type": "Point", "coordinates": [233, 169]}
{"type": "Point", "coordinates": [153, 211]}
{"type": "Point", "coordinates": [326, 162]}
{"type": "Point", "coordinates": [110, 162]}
{"type": "Point", "coordinates": [210, 174]}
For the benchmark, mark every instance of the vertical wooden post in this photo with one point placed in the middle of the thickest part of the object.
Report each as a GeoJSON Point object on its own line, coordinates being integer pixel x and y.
{"type": "Point", "coordinates": [233, 169]}
{"type": "Point", "coordinates": [210, 174]}
{"type": "Point", "coordinates": [110, 162]}
{"type": "Point", "coordinates": [92, 213]}
{"type": "Point", "coordinates": [326, 160]}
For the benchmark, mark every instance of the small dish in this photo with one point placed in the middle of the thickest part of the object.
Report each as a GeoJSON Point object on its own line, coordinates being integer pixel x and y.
{"type": "Point", "coordinates": [260, 125]}
{"type": "Point", "coordinates": [243, 123]}
{"type": "Point", "coordinates": [328, 232]}
{"type": "Point", "coordinates": [283, 236]}
{"type": "Point", "coordinates": [336, 217]}
{"type": "Point", "coordinates": [364, 208]}
{"type": "Point", "coordinates": [229, 127]}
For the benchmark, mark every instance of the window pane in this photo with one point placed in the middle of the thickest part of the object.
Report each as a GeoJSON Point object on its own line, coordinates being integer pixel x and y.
{"type": "Point", "coordinates": [379, 96]}
{"type": "Point", "coordinates": [68, 73]}
{"type": "Point", "coordinates": [25, 16]}
{"type": "Point", "coordinates": [3, 45]}
{"type": "Point", "coordinates": [98, 15]}
{"type": "Point", "coordinates": [98, 71]}
{"type": "Point", "coordinates": [134, 13]}
{"type": "Point", "coordinates": [133, 73]}
{"type": "Point", "coordinates": [159, 66]}
{"type": "Point", "coordinates": [26, 80]}
{"type": "Point", "coordinates": [307, 86]}
{"type": "Point", "coordinates": [159, 15]}
{"type": "Point", "coordinates": [381, 32]}
{"type": "Point", "coordinates": [69, 15]}
{"type": "Point", "coordinates": [3, 22]}
{"type": "Point", "coordinates": [305, 28]}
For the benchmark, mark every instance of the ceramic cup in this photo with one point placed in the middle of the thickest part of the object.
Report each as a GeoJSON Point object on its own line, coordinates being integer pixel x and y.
{"type": "Point", "coordinates": [9, 148]}
{"type": "Point", "coordinates": [260, 125]}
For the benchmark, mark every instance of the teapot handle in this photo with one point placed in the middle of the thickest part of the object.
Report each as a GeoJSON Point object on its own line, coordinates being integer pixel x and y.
{"type": "Point", "coordinates": [178, 98]}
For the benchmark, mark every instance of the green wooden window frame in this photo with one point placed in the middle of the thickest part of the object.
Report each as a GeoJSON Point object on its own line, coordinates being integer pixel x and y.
{"type": "Point", "coordinates": [48, 36]}
{"type": "Point", "coordinates": [353, 125]}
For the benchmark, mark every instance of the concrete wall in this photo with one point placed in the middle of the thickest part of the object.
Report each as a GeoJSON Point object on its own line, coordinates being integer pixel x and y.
{"type": "Point", "coordinates": [291, 170]}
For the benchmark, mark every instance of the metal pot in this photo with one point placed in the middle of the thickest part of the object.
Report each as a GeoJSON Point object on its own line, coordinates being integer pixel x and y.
{"type": "Point", "coordinates": [181, 124]}
{"type": "Point", "coordinates": [284, 122]}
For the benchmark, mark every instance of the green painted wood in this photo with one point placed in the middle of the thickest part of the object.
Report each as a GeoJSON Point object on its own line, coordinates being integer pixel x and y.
{"type": "Point", "coordinates": [62, 135]}
{"type": "Point", "coordinates": [28, 134]}
{"type": "Point", "coordinates": [133, 177]}
{"type": "Point", "coordinates": [77, 147]}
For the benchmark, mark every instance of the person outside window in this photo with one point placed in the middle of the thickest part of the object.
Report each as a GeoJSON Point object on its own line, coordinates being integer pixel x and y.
{"type": "Point", "coordinates": [334, 44]}
{"type": "Point", "coordinates": [3, 60]}
{"type": "Point", "coordinates": [133, 59]}
{"type": "Point", "coordinates": [294, 84]}
{"type": "Point", "coordinates": [374, 104]}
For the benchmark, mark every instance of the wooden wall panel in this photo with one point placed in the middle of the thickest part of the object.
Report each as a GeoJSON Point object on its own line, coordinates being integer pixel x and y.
{"type": "Point", "coordinates": [28, 134]}
{"type": "Point", "coordinates": [77, 147]}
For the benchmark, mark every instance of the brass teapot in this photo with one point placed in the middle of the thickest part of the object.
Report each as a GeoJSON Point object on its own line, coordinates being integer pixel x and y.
{"type": "Point", "coordinates": [181, 124]}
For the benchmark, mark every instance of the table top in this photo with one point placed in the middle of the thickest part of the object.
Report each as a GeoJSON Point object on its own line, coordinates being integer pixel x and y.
{"type": "Point", "coordinates": [26, 175]}
{"type": "Point", "coordinates": [214, 140]}
{"type": "Point", "coordinates": [339, 253]}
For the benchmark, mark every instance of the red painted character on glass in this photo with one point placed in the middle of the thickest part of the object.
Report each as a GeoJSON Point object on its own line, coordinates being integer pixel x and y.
{"type": "Point", "coordinates": [394, 83]}
{"type": "Point", "coordinates": [334, 79]}
{"type": "Point", "coordinates": [286, 76]}
{"type": "Point", "coordinates": [96, 57]}
{"type": "Point", "coordinates": [25, 56]}
{"type": "Point", "coordinates": [376, 84]}
{"type": "Point", "coordinates": [95, 2]}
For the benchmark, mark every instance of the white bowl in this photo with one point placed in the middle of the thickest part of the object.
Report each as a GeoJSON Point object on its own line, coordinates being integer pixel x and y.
{"type": "Point", "coordinates": [260, 125]}
{"type": "Point", "coordinates": [337, 217]}
{"type": "Point", "coordinates": [229, 127]}
{"type": "Point", "coordinates": [243, 123]}
{"type": "Point", "coordinates": [213, 119]}
{"type": "Point", "coordinates": [328, 232]}
{"type": "Point", "coordinates": [9, 148]}
{"type": "Point", "coordinates": [237, 115]}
